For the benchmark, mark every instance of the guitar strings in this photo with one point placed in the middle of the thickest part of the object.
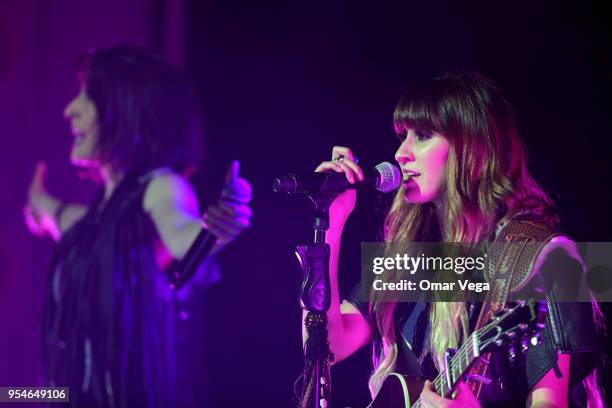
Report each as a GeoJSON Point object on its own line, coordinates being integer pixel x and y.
{"type": "Point", "coordinates": [463, 351]}
{"type": "Point", "coordinates": [439, 381]}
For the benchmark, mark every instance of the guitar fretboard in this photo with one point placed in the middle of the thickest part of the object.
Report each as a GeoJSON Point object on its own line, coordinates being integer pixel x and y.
{"type": "Point", "coordinates": [459, 363]}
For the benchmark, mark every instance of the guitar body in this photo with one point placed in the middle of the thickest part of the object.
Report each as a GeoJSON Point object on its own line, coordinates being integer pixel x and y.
{"type": "Point", "coordinates": [397, 391]}
{"type": "Point", "coordinates": [518, 326]}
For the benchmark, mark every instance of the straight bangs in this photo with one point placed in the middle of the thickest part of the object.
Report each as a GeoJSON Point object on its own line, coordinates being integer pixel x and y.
{"type": "Point", "coordinates": [417, 110]}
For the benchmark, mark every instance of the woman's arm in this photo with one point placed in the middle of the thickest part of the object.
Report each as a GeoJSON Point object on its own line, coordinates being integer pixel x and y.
{"type": "Point", "coordinates": [550, 391]}
{"type": "Point", "coordinates": [348, 330]}
{"type": "Point", "coordinates": [173, 207]}
{"type": "Point", "coordinates": [171, 202]}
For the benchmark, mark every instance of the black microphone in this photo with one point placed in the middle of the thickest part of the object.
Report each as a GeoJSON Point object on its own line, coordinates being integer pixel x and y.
{"type": "Point", "coordinates": [185, 269]}
{"type": "Point", "coordinates": [384, 177]}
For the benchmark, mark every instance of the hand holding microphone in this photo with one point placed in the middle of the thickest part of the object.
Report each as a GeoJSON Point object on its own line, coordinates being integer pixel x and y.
{"type": "Point", "coordinates": [343, 161]}
{"type": "Point", "coordinates": [384, 177]}
{"type": "Point", "coordinates": [231, 215]}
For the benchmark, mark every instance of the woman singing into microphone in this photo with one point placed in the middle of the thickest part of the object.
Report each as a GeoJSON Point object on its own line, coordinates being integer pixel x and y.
{"type": "Point", "coordinates": [465, 175]}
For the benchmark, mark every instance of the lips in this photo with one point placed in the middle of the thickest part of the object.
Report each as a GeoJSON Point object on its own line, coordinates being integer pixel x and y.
{"type": "Point", "coordinates": [78, 135]}
{"type": "Point", "coordinates": [409, 182]}
{"type": "Point", "coordinates": [409, 175]}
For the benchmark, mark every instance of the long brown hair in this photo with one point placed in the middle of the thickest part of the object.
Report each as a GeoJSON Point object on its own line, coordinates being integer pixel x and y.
{"type": "Point", "coordinates": [487, 182]}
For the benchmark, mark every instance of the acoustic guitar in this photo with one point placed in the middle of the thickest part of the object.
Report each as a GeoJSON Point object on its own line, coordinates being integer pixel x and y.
{"type": "Point", "coordinates": [515, 328]}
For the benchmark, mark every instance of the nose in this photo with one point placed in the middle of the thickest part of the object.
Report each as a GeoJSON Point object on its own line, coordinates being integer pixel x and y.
{"type": "Point", "coordinates": [71, 110]}
{"type": "Point", "coordinates": [404, 153]}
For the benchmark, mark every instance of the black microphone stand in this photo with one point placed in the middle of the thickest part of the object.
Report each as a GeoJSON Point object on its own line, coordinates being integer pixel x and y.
{"type": "Point", "coordinates": [315, 298]}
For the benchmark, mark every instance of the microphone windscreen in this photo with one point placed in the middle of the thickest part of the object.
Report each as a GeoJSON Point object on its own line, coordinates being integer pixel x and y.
{"type": "Point", "coordinates": [390, 177]}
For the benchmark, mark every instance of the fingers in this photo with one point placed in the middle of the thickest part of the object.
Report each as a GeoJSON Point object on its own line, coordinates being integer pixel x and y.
{"type": "Point", "coordinates": [348, 170]}
{"type": "Point", "coordinates": [345, 155]}
{"type": "Point", "coordinates": [229, 220]}
{"type": "Point", "coordinates": [223, 234]}
{"type": "Point", "coordinates": [31, 216]}
{"type": "Point", "coordinates": [353, 166]}
{"type": "Point", "coordinates": [431, 399]}
{"type": "Point", "coordinates": [232, 172]}
{"type": "Point", "coordinates": [38, 179]}
{"type": "Point", "coordinates": [462, 387]}
{"type": "Point", "coordinates": [339, 167]}
{"type": "Point", "coordinates": [342, 161]}
{"type": "Point", "coordinates": [341, 151]}
{"type": "Point", "coordinates": [465, 397]}
{"type": "Point", "coordinates": [225, 226]}
{"type": "Point", "coordinates": [236, 188]}
{"type": "Point", "coordinates": [328, 165]}
{"type": "Point", "coordinates": [32, 221]}
{"type": "Point", "coordinates": [231, 215]}
{"type": "Point", "coordinates": [234, 209]}
{"type": "Point", "coordinates": [240, 191]}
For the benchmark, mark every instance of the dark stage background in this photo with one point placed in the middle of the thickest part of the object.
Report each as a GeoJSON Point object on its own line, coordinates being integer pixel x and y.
{"type": "Point", "coordinates": [281, 84]}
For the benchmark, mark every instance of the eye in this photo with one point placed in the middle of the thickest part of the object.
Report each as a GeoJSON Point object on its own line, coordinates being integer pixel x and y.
{"type": "Point", "coordinates": [422, 135]}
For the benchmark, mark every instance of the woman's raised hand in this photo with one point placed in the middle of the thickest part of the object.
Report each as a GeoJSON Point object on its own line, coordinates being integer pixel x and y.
{"type": "Point", "coordinates": [343, 161]}
{"type": "Point", "coordinates": [40, 208]}
{"type": "Point", "coordinates": [231, 215]}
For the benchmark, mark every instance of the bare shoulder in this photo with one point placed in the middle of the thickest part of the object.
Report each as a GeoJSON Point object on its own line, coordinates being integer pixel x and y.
{"type": "Point", "coordinates": [348, 308]}
{"type": "Point", "coordinates": [169, 189]}
{"type": "Point", "coordinates": [559, 243]}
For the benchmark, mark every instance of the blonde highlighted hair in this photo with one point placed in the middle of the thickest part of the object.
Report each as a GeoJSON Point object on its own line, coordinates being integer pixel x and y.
{"type": "Point", "coordinates": [487, 182]}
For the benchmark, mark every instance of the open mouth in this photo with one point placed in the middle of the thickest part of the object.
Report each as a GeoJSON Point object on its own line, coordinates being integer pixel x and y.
{"type": "Point", "coordinates": [410, 176]}
{"type": "Point", "coordinates": [79, 136]}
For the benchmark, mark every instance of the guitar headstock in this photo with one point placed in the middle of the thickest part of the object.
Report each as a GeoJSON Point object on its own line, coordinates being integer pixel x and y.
{"type": "Point", "coordinates": [517, 327]}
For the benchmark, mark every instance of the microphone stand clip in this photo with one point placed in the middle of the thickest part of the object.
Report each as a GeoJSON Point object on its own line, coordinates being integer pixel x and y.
{"type": "Point", "coordinates": [315, 297]}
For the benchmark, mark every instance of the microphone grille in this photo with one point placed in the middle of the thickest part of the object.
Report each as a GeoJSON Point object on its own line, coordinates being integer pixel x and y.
{"type": "Point", "coordinates": [390, 177]}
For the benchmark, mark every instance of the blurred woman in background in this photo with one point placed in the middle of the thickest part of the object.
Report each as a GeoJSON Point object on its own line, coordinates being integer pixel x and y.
{"type": "Point", "coordinates": [108, 324]}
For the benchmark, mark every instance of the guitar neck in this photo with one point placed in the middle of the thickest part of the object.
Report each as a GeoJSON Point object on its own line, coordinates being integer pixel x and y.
{"type": "Point", "coordinates": [519, 325]}
{"type": "Point", "coordinates": [456, 368]}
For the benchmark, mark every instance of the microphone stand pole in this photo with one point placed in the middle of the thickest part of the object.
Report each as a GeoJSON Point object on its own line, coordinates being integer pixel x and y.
{"type": "Point", "coordinates": [315, 298]}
